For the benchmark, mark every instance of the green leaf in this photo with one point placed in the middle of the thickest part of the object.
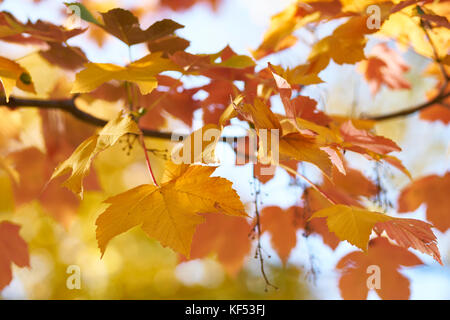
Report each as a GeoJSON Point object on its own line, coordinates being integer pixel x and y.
{"type": "Point", "coordinates": [80, 10]}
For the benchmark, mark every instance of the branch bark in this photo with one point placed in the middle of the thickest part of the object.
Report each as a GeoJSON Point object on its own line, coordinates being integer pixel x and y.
{"type": "Point", "coordinates": [406, 112]}
{"type": "Point", "coordinates": [68, 105]}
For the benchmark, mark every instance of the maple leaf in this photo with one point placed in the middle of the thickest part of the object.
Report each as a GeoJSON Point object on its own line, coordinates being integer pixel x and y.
{"type": "Point", "coordinates": [361, 140]}
{"type": "Point", "coordinates": [12, 75]}
{"type": "Point", "coordinates": [38, 32]}
{"type": "Point", "coordinates": [351, 223]}
{"type": "Point", "coordinates": [169, 213]}
{"type": "Point", "coordinates": [13, 249]}
{"type": "Point", "coordinates": [167, 98]}
{"type": "Point", "coordinates": [282, 226]}
{"type": "Point", "coordinates": [348, 189]}
{"type": "Point", "coordinates": [303, 74]}
{"type": "Point", "coordinates": [405, 26]}
{"type": "Point", "coordinates": [411, 233]}
{"type": "Point", "coordinates": [66, 57]}
{"type": "Point", "coordinates": [223, 65]}
{"type": "Point", "coordinates": [142, 72]}
{"type": "Point", "coordinates": [79, 162]}
{"type": "Point", "coordinates": [345, 45]}
{"type": "Point", "coordinates": [292, 145]}
{"type": "Point", "coordinates": [436, 113]}
{"type": "Point", "coordinates": [433, 191]}
{"type": "Point", "coordinates": [263, 176]}
{"type": "Point", "coordinates": [213, 236]}
{"type": "Point", "coordinates": [389, 258]}
{"type": "Point", "coordinates": [219, 92]}
{"type": "Point", "coordinates": [282, 25]}
{"type": "Point", "coordinates": [385, 66]}
{"type": "Point", "coordinates": [200, 145]}
{"type": "Point", "coordinates": [168, 45]}
{"type": "Point", "coordinates": [125, 26]}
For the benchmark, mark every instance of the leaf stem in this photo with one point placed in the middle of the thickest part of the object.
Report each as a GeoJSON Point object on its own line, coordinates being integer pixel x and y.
{"type": "Point", "coordinates": [314, 186]}
{"type": "Point", "coordinates": [147, 159]}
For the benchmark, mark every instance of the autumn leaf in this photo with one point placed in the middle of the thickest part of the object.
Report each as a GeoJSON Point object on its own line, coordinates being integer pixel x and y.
{"type": "Point", "coordinates": [213, 237]}
{"type": "Point", "coordinates": [282, 25]}
{"type": "Point", "coordinates": [38, 32]}
{"type": "Point", "coordinates": [436, 113]}
{"type": "Point", "coordinates": [79, 162]}
{"type": "Point", "coordinates": [222, 65]}
{"type": "Point", "coordinates": [282, 226]}
{"type": "Point", "coordinates": [13, 75]}
{"type": "Point", "coordinates": [13, 249]}
{"type": "Point", "coordinates": [199, 146]}
{"type": "Point", "coordinates": [405, 27]}
{"type": "Point", "coordinates": [411, 233]}
{"type": "Point", "coordinates": [292, 145]}
{"type": "Point", "coordinates": [348, 189]}
{"type": "Point", "coordinates": [67, 57]}
{"type": "Point", "coordinates": [351, 223]}
{"type": "Point", "coordinates": [345, 45]}
{"type": "Point", "coordinates": [385, 66]}
{"type": "Point", "coordinates": [303, 74]}
{"type": "Point", "coordinates": [83, 12]}
{"type": "Point", "coordinates": [219, 92]}
{"type": "Point", "coordinates": [262, 173]}
{"type": "Point", "coordinates": [168, 45]}
{"type": "Point", "coordinates": [393, 285]}
{"type": "Point", "coordinates": [361, 140]}
{"type": "Point", "coordinates": [169, 213]}
{"type": "Point", "coordinates": [141, 72]}
{"type": "Point", "coordinates": [125, 26]}
{"type": "Point", "coordinates": [431, 190]}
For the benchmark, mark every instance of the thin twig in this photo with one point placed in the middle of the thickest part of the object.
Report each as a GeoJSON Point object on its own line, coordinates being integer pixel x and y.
{"type": "Point", "coordinates": [313, 185]}
{"type": "Point", "coordinates": [68, 105]}
{"type": "Point", "coordinates": [257, 189]}
{"type": "Point", "coordinates": [437, 99]}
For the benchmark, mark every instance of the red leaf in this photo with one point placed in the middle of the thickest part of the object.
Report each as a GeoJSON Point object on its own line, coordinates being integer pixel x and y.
{"type": "Point", "coordinates": [13, 249]}
{"type": "Point", "coordinates": [382, 254]}
{"type": "Point", "coordinates": [282, 226]}
{"type": "Point", "coordinates": [411, 233]}
{"type": "Point", "coordinates": [432, 190]}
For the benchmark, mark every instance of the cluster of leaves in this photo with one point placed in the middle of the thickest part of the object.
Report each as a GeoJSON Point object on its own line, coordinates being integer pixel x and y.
{"type": "Point", "coordinates": [184, 207]}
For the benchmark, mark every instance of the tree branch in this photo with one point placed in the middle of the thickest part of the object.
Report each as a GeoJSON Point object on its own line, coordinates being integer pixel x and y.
{"type": "Point", "coordinates": [440, 96]}
{"type": "Point", "coordinates": [406, 112]}
{"type": "Point", "coordinates": [68, 105]}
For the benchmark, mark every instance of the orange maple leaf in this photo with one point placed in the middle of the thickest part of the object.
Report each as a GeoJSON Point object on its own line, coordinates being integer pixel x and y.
{"type": "Point", "coordinates": [282, 226]}
{"type": "Point", "coordinates": [393, 285]}
{"type": "Point", "coordinates": [227, 236]}
{"type": "Point", "coordinates": [433, 191]}
{"type": "Point", "coordinates": [13, 249]}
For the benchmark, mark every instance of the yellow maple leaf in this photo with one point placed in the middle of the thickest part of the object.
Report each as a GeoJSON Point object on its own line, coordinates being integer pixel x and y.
{"type": "Point", "coordinates": [406, 28]}
{"type": "Point", "coordinates": [345, 45]}
{"type": "Point", "coordinates": [199, 146]}
{"type": "Point", "coordinates": [351, 223]}
{"type": "Point", "coordinates": [169, 213]}
{"type": "Point", "coordinates": [79, 162]}
{"type": "Point", "coordinates": [141, 72]}
{"type": "Point", "coordinates": [12, 75]}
